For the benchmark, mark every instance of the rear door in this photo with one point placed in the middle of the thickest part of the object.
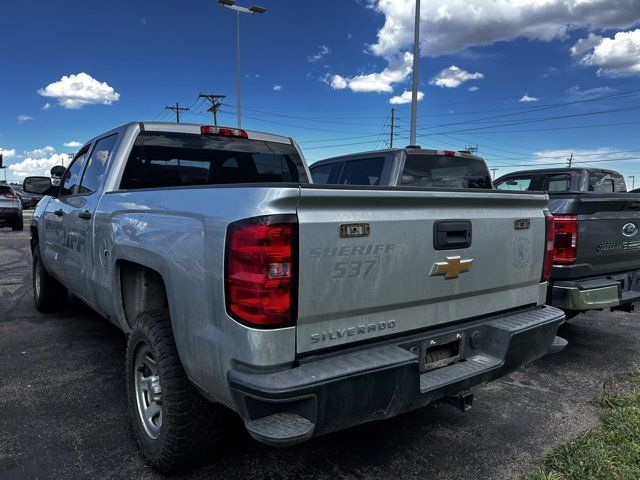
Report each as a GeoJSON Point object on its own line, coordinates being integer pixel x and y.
{"type": "Point", "coordinates": [371, 263]}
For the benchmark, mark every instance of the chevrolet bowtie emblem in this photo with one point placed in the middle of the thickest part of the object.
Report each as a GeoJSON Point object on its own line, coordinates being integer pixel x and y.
{"type": "Point", "coordinates": [452, 268]}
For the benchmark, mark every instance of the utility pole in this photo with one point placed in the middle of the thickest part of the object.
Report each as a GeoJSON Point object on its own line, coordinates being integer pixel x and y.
{"type": "Point", "coordinates": [177, 109]}
{"type": "Point", "coordinates": [393, 124]}
{"type": "Point", "coordinates": [414, 90]}
{"type": "Point", "coordinates": [633, 181]}
{"type": "Point", "coordinates": [570, 160]}
{"type": "Point", "coordinates": [215, 104]}
{"type": "Point", "coordinates": [493, 171]}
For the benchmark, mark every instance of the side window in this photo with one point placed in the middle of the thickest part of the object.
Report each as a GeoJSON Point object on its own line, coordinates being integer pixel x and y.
{"type": "Point", "coordinates": [72, 176]}
{"type": "Point", "coordinates": [322, 173]}
{"type": "Point", "coordinates": [557, 183]}
{"type": "Point", "coordinates": [97, 165]}
{"type": "Point", "coordinates": [518, 184]}
{"type": "Point", "coordinates": [362, 172]}
{"type": "Point", "coordinates": [601, 182]}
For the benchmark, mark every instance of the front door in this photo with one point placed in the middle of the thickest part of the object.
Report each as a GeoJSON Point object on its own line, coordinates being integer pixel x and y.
{"type": "Point", "coordinates": [56, 238]}
{"type": "Point", "coordinates": [81, 257]}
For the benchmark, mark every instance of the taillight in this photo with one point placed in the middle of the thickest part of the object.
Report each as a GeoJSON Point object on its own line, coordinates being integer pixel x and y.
{"type": "Point", "coordinates": [547, 265]}
{"type": "Point", "coordinates": [9, 195]}
{"type": "Point", "coordinates": [260, 273]}
{"type": "Point", "coordinates": [223, 131]}
{"type": "Point", "coordinates": [565, 243]}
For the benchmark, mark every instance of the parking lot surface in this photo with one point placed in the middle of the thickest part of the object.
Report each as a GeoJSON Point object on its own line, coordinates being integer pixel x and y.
{"type": "Point", "coordinates": [63, 411]}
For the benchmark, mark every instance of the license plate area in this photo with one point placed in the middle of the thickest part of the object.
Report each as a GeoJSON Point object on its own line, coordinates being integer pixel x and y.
{"type": "Point", "coordinates": [439, 351]}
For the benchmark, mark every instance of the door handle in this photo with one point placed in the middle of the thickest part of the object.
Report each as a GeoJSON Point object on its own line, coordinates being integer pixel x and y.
{"type": "Point", "coordinates": [58, 213]}
{"type": "Point", "coordinates": [86, 215]}
{"type": "Point", "coordinates": [451, 234]}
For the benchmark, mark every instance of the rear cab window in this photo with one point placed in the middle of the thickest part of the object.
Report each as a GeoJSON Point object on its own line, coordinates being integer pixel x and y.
{"type": "Point", "coordinates": [367, 171]}
{"type": "Point", "coordinates": [557, 183]}
{"type": "Point", "coordinates": [606, 182]}
{"type": "Point", "coordinates": [168, 159]}
{"type": "Point", "coordinates": [519, 184]}
{"type": "Point", "coordinates": [428, 170]}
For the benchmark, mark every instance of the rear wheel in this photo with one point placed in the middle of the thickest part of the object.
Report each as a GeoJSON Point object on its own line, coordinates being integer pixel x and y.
{"type": "Point", "coordinates": [172, 422]}
{"type": "Point", "coordinates": [48, 293]}
{"type": "Point", "coordinates": [19, 226]}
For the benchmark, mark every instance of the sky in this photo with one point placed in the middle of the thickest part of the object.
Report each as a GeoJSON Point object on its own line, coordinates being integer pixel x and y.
{"type": "Point", "coordinates": [526, 82]}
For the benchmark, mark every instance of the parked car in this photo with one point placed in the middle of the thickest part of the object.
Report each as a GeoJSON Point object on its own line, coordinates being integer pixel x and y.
{"type": "Point", "coordinates": [305, 309]}
{"type": "Point", "coordinates": [28, 200]}
{"type": "Point", "coordinates": [637, 190]}
{"type": "Point", "coordinates": [597, 245]}
{"type": "Point", "coordinates": [405, 167]}
{"type": "Point", "coordinates": [10, 208]}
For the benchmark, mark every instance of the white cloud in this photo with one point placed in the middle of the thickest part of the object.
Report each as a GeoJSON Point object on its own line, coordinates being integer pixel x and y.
{"type": "Point", "coordinates": [38, 166]}
{"type": "Point", "coordinates": [614, 57]}
{"type": "Point", "coordinates": [323, 50]}
{"type": "Point", "coordinates": [404, 98]}
{"type": "Point", "coordinates": [76, 91]}
{"type": "Point", "coordinates": [41, 152]}
{"type": "Point", "coordinates": [7, 153]}
{"type": "Point", "coordinates": [24, 118]}
{"type": "Point", "coordinates": [585, 44]}
{"type": "Point", "coordinates": [454, 25]}
{"type": "Point", "coordinates": [576, 91]}
{"type": "Point", "coordinates": [46, 106]}
{"type": "Point", "coordinates": [277, 88]}
{"type": "Point", "coordinates": [398, 71]}
{"type": "Point", "coordinates": [527, 99]}
{"type": "Point", "coordinates": [72, 144]}
{"type": "Point", "coordinates": [474, 89]}
{"type": "Point", "coordinates": [453, 77]}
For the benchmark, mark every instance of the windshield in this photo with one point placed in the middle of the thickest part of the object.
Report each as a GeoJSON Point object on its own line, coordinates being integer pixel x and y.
{"type": "Point", "coordinates": [425, 170]}
{"type": "Point", "coordinates": [161, 159]}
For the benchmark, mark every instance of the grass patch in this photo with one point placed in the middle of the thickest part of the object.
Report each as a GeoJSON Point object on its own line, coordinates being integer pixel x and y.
{"type": "Point", "coordinates": [609, 452]}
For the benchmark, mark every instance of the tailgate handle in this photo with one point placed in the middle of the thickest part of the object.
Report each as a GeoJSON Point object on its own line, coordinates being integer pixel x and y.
{"type": "Point", "coordinates": [451, 234]}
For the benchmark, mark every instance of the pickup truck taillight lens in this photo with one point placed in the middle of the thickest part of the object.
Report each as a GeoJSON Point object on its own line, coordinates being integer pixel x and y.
{"type": "Point", "coordinates": [565, 242]}
{"type": "Point", "coordinates": [547, 265]}
{"type": "Point", "coordinates": [260, 273]}
{"type": "Point", "coordinates": [9, 195]}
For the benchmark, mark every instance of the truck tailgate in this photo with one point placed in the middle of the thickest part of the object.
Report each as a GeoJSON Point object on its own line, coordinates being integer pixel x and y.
{"type": "Point", "coordinates": [369, 268]}
{"type": "Point", "coordinates": [608, 235]}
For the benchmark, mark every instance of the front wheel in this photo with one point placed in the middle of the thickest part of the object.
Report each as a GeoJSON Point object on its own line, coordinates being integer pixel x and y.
{"type": "Point", "coordinates": [48, 293]}
{"type": "Point", "coordinates": [172, 422]}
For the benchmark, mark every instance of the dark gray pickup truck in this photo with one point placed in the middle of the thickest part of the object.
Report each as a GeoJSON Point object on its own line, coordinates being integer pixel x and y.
{"type": "Point", "coordinates": [597, 244]}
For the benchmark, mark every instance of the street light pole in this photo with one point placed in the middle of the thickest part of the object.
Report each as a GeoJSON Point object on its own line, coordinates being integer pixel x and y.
{"type": "Point", "coordinates": [414, 90]}
{"type": "Point", "coordinates": [231, 5]}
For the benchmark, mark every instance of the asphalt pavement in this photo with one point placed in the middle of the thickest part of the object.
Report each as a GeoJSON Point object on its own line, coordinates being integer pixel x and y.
{"type": "Point", "coordinates": [63, 410]}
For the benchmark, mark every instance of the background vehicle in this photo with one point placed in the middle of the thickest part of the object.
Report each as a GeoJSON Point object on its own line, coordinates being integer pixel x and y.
{"type": "Point", "coordinates": [406, 167]}
{"type": "Point", "coordinates": [28, 200]}
{"type": "Point", "coordinates": [10, 208]}
{"type": "Point", "coordinates": [303, 308]}
{"type": "Point", "coordinates": [597, 245]}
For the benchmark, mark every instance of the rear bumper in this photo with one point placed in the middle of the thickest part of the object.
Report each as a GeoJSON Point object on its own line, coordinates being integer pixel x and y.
{"type": "Point", "coordinates": [334, 392]}
{"type": "Point", "coordinates": [597, 293]}
{"type": "Point", "coordinates": [9, 216]}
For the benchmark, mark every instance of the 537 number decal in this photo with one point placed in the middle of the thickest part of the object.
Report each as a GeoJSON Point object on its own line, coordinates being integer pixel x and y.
{"type": "Point", "coordinates": [353, 269]}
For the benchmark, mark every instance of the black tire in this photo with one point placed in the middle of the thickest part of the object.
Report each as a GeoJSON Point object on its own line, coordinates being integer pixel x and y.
{"type": "Point", "coordinates": [18, 227]}
{"type": "Point", "coordinates": [190, 426]}
{"type": "Point", "coordinates": [48, 293]}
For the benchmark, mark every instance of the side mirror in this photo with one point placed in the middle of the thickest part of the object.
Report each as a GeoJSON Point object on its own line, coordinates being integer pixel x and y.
{"type": "Point", "coordinates": [38, 185]}
{"type": "Point", "coordinates": [58, 171]}
{"type": "Point", "coordinates": [511, 182]}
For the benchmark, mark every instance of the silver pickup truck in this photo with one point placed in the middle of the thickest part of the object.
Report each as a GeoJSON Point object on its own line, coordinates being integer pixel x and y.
{"type": "Point", "coordinates": [305, 309]}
